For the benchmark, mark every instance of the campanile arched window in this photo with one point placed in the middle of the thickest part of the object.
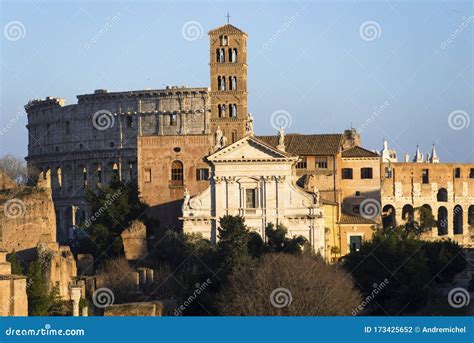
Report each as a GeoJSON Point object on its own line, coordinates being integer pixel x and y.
{"type": "Point", "coordinates": [177, 175]}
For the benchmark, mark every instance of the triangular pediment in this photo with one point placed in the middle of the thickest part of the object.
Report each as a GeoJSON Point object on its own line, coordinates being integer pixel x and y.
{"type": "Point", "coordinates": [250, 149]}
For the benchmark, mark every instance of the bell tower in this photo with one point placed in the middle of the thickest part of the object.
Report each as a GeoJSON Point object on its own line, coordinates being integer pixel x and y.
{"type": "Point", "coordinates": [228, 66]}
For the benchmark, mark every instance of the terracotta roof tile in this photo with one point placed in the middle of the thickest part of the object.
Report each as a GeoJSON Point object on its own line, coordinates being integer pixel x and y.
{"type": "Point", "coordinates": [353, 219]}
{"type": "Point", "coordinates": [358, 151]}
{"type": "Point", "coordinates": [325, 144]}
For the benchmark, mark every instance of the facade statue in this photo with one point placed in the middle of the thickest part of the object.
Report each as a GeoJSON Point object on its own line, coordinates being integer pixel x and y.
{"type": "Point", "coordinates": [249, 125]}
{"type": "Point", "coordinates": [186, 199]}
{"type": "Point", "coordinates": [317, 196]}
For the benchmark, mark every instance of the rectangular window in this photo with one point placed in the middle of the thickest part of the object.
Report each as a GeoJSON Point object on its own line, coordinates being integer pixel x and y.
{"type": "Point", "coordinates": [173, 119]}
{"type": "Point", "coordinates": [147, 175]}
{"type": "Point", "coordinates": [425, 176]}
{"type": "Point", "coordinates": [321, 162]}
{"type": "Point", "coordinates": [471, 173]}
{"type": "Point", "coordinates": [347, 173]}
{"type": "Point", "coordinates": [302, 163]}
{"type": "Point", "coordinates": [354, 243]}
{"type": "Point", "coordinates": [366, 173]}
{"type": "Point", "coordinates": [251, 198]}
{"type": "Point", "coordinates": [388, 172]}
{"type": "Point", "coordinates": [202, 174]}
{"type": "Point", "coordinates": [234, 136]}
{"type": "Point", "coordinates": [457, 173]}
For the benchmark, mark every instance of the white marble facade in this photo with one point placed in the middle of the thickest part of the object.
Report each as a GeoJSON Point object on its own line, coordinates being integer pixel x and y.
{"type": "Point", "coordinates": [254, 180]}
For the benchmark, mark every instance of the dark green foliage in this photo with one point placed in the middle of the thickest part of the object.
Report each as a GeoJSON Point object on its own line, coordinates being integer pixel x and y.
{"type": "Point", "coordinates": [17, 265]}
{"type": "Point", "coordinates": [446, 259]}
{"type": "Point", "coordinates": [279, 242]}
{"type": "Point", "coordinates": [410, 265]}
{"type": "Point", "coordinates": [425, 223]}
{"type": "Point", "coordinates": [41, 302]}
{"type": "Point", "coordinates": [234, 237]}
{"type": "Point", "coordinates": [396, 256]}
{"type": "Point", "coordinates": [113, 208]}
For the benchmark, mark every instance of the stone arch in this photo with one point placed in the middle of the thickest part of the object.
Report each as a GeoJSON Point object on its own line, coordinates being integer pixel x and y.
{"type": "Point", "coordinates": [458, 217]}
{"type": "Point", "coordinates": [442, 195]}
{"type": "Point", "coordinates": [408, 213]}
{"type": "Point", "coordinates": [442, 221]}
{"type": "Point", "coordinates": [389, 216]}
{"type": "Point", "coordinates": [67, 179]}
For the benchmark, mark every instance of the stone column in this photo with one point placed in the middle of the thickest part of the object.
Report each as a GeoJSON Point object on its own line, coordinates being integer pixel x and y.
{"type": "Point", "coordinates": [75, 297]}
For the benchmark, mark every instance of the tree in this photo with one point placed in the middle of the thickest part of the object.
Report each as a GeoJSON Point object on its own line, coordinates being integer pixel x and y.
{"type": "Point", "coordinates": [113, 208]}
{"type": "Point", "coordinates": [41, 301]}
{"type": "Point", "coordinates": [234, 237]}
{"type": "Point", "coordinates": [15, 168]}
{"type": "Point", "coordinates": [446, 259]}
{"type": "Point", "coordinates": [289, 285]}
{"type": "Point", "coordinates": [16, 264]}
{"type": "Point", "coordinates": [277, 240]}
{"type": "Point", "coordinates": [397, 256]}
{"type": "Point", "coordinates": [426, 222]}
{"type": "Point", "coordinates": [118, 276]}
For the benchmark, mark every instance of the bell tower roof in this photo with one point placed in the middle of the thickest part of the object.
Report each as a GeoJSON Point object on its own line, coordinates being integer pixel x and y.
{"type": "Point", "coordinates": [227, 28]}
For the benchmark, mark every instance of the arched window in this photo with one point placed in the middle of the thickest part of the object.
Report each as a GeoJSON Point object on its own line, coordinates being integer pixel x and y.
{"type": "Point", "coordinates": [234, 111]}
{"type": "Point", "coordinates": [442, 195]}
{"type": "Point", "coordinates": [218, 82]}
{"type": "Point", "coordinates": [408, 213]}
{"type": "Point", "coordinates": [223, 83]}
{"type": "Point", "coordinates": [177, 176]}
{"type": "Point", "coordinates": [388, 216]}
{"type": "Point", "coordinates": [234, 56]}
{"type": "Point", "coordinates": [221, 110]}
{"type": "Point", "coordinates": [221, 56]}
{"type": "Point", "coordinates": [233, 83]}
{"type": "Point", "coordinates": [59, 176]}
{"type": "Point", "coordinates": [442, 221]}
{"type": "Point", "coordinates": [218, 55]}
{"type": "Point", "coordinates": [457, 220]}
{"type": "Point", "coordinates": [234, 136]}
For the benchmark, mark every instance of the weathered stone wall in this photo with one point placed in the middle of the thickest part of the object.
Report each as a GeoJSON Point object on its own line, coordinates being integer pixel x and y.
{"type": "Point", "coordinates": [405, 188]}
{"type": "Point", "coordinates": [26, 215]}
{"type": "Point", "coordinates": [6, 182]}
{"type": "Point", "coordinates": [155, 157]}
{"type": "Point", "coordinates": [13, 299]}
{"type": "Point", "coordinates": [82, 143]}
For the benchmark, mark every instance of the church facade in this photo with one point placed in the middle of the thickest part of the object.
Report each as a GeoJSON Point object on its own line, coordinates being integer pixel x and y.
{"type": "Point", "coordinates": [254, 180]}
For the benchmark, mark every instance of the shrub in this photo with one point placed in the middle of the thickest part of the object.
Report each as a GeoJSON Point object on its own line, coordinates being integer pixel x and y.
{"type": "Point", "coordinates": [305, 284]}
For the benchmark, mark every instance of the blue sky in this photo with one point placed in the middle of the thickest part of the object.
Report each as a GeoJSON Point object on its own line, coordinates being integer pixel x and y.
{"type": "Point", "coordinates": [314, 60]}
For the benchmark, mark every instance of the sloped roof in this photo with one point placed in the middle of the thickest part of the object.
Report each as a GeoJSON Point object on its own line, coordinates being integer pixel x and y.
{"type": "Point", "coordinates": [227, 28]}
{"type": "Point", "coordinates": [324, 144]}
{"type": "Point", "coordinates": [358, 151]}
{"type": "Point", "coordinates": [353, 219]}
